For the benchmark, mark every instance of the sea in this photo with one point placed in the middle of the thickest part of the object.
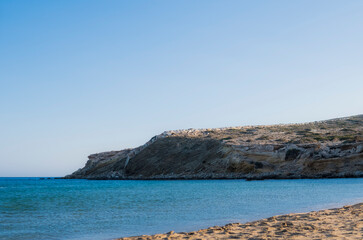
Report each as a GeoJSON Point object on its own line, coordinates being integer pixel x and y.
{"type": "Point", "coordinates": [35, 208]}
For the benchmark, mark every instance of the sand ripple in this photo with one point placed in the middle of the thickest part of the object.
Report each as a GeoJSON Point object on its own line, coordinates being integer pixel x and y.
{"type": "Point", "coordinates": [338, 223]}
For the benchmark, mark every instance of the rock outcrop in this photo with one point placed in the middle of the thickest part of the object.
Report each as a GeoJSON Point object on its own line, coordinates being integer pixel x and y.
{"type": "Point", "coordinates": [325, 149]}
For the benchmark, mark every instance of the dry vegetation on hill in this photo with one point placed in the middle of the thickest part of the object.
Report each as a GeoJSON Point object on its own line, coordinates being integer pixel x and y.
{"type": "Point", "coordinates": [341, 130]}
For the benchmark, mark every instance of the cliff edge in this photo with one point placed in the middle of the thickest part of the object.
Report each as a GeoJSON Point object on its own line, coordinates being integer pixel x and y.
{"type": "Point", "coordinates": [324, 149]}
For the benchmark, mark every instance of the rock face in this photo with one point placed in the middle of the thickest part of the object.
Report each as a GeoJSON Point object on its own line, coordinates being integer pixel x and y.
{"type": "Point", "coordinates": [325, 149]}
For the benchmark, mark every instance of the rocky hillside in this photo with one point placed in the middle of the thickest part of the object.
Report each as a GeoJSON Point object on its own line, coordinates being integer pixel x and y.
{"type": "Point", "coordinates": [324, 149]}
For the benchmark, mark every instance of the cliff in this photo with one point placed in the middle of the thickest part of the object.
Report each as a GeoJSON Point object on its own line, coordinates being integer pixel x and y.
{"type": "Point", "coordinates": [324, 149]}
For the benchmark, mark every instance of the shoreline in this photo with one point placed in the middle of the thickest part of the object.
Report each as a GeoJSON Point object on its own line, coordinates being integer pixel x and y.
{"type": "Point", "coordinates": [217, 178]}
{"type": "Point", "coordinates": [335, 223]}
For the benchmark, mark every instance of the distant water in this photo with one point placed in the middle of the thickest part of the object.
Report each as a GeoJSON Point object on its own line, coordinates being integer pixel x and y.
{"type": "Point", "coordinates": [31, 208]}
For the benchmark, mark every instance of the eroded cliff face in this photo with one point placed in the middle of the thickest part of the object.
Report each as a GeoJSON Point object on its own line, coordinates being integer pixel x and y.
{"type": "Point", "coordinates": [332, 148]}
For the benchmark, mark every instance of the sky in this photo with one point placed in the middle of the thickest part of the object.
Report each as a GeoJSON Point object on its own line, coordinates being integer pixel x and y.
{"type": "Point", "coordinates": [80, 76]}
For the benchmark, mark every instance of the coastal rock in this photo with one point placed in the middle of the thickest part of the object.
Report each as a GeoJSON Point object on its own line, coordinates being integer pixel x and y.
{"type": "Point", "coordinates": [326, 149]}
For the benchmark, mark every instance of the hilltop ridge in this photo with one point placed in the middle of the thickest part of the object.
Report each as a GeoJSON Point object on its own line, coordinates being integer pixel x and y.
{"type": "Point", "coordinates": [331, 148]}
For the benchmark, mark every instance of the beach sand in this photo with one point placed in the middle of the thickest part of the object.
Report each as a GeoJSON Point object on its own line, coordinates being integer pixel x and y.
{"type": "Point", "coordinates": [337, 223]}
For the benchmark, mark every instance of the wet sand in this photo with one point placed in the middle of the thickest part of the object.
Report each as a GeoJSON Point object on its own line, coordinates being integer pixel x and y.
{"type": "Point", "coordinates": [337, 223]}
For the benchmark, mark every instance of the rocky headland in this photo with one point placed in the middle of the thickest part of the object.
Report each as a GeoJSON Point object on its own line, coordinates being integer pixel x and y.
{"type": "Point", "coordinates": [322, 149]}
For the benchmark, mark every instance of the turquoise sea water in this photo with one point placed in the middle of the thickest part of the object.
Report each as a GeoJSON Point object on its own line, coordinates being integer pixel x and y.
{"type": "Point", "coordinates": [31, 208]}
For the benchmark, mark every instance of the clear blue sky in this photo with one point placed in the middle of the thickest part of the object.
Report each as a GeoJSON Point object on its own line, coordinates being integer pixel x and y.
{"type": "Point", "coordinates": [80, 77]}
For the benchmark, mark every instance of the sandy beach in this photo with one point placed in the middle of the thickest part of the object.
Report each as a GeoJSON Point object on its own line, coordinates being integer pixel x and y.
{"type": "Point", "coordinates": [337, 223]}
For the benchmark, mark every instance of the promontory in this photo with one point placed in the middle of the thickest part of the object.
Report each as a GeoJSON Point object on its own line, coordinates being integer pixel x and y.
{"type": "Point", "coordinates": [321, 149]}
